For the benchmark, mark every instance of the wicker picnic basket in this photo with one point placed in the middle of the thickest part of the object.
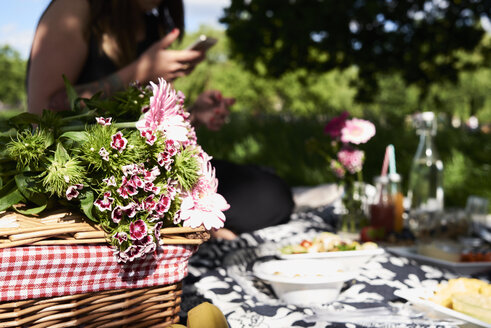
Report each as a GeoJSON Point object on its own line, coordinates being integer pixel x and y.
{"type": "Point", "coordinates": [156, 306]}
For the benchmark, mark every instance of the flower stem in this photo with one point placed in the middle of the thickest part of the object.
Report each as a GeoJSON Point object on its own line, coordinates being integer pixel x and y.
{"type": "Point", "coordinates": [122, 125]}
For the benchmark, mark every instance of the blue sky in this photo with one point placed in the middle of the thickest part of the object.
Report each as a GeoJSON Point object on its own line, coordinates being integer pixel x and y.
{"type": "Point", "coordinates": [18, 19]}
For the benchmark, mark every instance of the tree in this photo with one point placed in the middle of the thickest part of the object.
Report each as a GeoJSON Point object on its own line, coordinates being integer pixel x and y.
{"type": "Point", "coordinates": [418, 38]}
{"type": "Point", "coordinates": [12, 71]}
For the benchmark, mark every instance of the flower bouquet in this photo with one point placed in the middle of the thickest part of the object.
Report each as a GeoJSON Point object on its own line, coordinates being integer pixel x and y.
{"type": "Point", "coordinates": [346, 163]}
{"type": "Point", "coordinates": [130, 178]}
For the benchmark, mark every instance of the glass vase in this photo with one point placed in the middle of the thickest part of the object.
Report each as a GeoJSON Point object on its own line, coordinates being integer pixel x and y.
{"type": "Point", "coordinates": [354, 216]}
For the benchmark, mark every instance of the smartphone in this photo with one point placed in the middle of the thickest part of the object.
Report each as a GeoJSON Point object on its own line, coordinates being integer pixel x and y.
{"type": "Point", "coordinates": [203, 43]}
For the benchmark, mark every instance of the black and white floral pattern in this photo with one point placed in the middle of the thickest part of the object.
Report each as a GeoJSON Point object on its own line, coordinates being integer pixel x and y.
{"type": "Point", "coordinates": [221, 273]}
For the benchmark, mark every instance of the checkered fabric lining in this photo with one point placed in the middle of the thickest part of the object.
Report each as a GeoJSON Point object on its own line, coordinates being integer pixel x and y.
{"type": "Point", "coordinates": [48, 271]}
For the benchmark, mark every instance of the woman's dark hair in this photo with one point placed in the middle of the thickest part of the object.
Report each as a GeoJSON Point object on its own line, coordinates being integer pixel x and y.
{"type": "Point", "coordinates": [114, 20]}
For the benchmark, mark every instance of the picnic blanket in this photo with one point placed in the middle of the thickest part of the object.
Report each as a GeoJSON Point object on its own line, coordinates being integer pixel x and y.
{"type": "Point", "coordinates": [221, 273]}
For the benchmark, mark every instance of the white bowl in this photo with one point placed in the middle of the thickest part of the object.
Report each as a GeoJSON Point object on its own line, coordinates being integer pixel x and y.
{"type": "Point", "coordinates": [348, 260]}
{"type": "Point", "coordinates": [303, 282]}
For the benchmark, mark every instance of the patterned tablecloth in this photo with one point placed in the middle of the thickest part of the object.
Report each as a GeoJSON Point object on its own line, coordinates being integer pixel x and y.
{"type": "Point", "coordinates": [221, 273]}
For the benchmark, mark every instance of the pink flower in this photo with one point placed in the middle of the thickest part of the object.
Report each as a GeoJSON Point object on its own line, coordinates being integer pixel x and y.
{"type": "Point", "coordinates": [163, 113]}
{"type": "Point", "coordinates": [357, 131]}
{"type": "Point", "coordinates": [117, 214]}
{"type": "Point", "coordinates": [110, 181]}
{"type": "Point", "coordinates": [104, 121]}
{"type": "Point", "coordinates": [149, 136]}
{"type": "Point", "coordinates": [130, 209]}
{"type": "Point", "coordinates": [130, 169]}
{"type": "Point", "coordinates": [127, 188]}
{"type": "Point", "coordinates": [104, 154]}
{"type": "Point", "coordinates": [149, 204]}
{"type": "Point", "coordinates": [204, 206]}
{"type": "Point", "coordinates": [150, 176]}
{"type": "Point", "coordinates": [351, 159]}
{"type": "Point", "coordinates": [72, 192]}
{"type": "Point", "coordinates": [119, 142]}
{"type": "Point", "coordinates": [120, 237]}
{"type": "Point", "coordinates": [163, 205]}
{"type": "Point", "coordinates": [138, 230]}
{"type": "Point", "coordinates": [156, 230]}
{"type": "Point", "coordinates": [338, 169]}
{"type": "Point", "coordinates": [105, 204]}
{"type": "Point", "coordinates": [335, 125]}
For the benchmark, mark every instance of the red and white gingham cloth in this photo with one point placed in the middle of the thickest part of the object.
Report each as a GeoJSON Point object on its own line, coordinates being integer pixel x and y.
{"type": "Point", "coordinates": [48, 271]}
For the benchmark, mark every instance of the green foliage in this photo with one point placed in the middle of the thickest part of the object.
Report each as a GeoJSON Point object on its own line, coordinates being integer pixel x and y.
{"type": "Point", "coordinates": [417, 38]}
{"type": "Point", "coordinates": [12, 71]}
{"type": "Point", "coordinates": [186, 168]}
{"type": "Point", "coordinates": [274, 120]}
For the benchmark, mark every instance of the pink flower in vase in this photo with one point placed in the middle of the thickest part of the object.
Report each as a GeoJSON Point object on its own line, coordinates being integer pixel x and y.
{"type": "Point", "coordinates": [335, 125]}
{"type": "Point", "coordinates": [351, 159]}
{"type": "Point", "coordinates": [338, 169]}
{"type": "Point", "coordinates": [357, 131]}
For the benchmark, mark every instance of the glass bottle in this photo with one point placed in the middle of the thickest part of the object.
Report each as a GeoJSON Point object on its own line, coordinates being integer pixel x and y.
{"type": "Point", "coordinates": [425, 187]}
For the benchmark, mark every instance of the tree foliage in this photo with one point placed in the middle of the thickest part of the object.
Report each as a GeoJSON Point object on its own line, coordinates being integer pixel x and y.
{"type": "Point", "coordinates": [418, 38]}
{"type": "Point", "coordinates": [12, 71]}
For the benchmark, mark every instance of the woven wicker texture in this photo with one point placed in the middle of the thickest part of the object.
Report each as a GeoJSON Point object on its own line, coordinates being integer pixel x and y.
{"type": "Point", "coordinates": [62, 228]}
{"type": "Point", "coordinates": [144, 307]}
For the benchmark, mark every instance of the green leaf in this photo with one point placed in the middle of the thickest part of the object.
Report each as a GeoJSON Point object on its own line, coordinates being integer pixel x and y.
{"type": "Point", "coordinates": [9, 133]}
{"type": "Point", "coordinates": [33, 210]}
{"type": "Point", "coordinates": [87, 203]}
{"type": "Point", "coordinates": [11, 198]}
{"type": "Point", "coordinates": [70, 92]}
{"type": "Point", "coordinates": [78, 136]}
{"type": "Point", "coordinates": [24, 118]}
{"type": "Point", "coordinates": [61, 155]}
{"type": "Point", "coordinates": [25, 184]}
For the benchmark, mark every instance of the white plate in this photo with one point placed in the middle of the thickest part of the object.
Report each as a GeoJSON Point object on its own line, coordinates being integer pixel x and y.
{"type": "Point", "coordinates": [464, 268]}
{"type": "Point", "coordinates": [419, 296]}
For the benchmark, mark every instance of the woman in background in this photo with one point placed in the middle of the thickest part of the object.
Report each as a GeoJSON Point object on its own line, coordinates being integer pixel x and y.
{"type": "Point", "coordinates": [104, 45]}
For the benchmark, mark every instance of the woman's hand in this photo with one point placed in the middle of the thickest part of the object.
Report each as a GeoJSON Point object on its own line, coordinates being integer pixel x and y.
{"type": "Point", "coordinates": [157, 61]}
{"type": "Point", "coordinates": [211, 109]}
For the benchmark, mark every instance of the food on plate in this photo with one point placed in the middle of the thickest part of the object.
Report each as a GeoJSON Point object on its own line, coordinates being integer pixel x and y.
{"type": "Point", "coordinates": [467, 295]}
{"type": "Point", "coordinates": [326, 242]}
{"type": "Point", "coordinates": [441, 249]}
{"type": "Point", "coordinates": [452, 251]}
{"type": "Point", "coordinates": [475, 305]}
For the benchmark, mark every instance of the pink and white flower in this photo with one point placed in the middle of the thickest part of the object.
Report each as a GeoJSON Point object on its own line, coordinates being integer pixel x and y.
{"type": "Point", "coordinates": [351, 159]}
{"type": "Point", "coordinates": [131, 209]}
{"type": "Point", "coordinates": [103, 121]}
{"type": "Point", "coordinates": [119, 142]}
{"type": "Point", "coordinates": [104, 154]}
{"type": "Point", "coordinates": [357, 131]}
{"type": "Point", "coordinates": [127, 188]}
{"type": "Point", "coordinates": [105, 204]}
{"type": "Point", "coordinates": [117, 214]}
{"type": "Point", "coordinates": [163, 115]}
{"type": "Point", "coordinates": [149, 136]}
{"type": "Point", "coordinates": [204, 206]}
{"type": "Point", "coordinates": [72, 191]}
{"type": "Point", "coordinates": [120, 237]}
{"type": "Point", "coordinates": [138, 230]}
{"type": "Point", "coordinates": [110, 181]}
